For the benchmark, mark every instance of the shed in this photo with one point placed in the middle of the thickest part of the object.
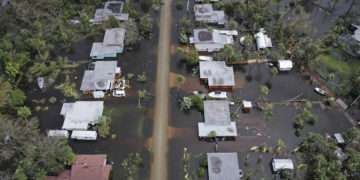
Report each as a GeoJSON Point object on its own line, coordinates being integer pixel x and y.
{"type": "Point", "coordinates": [247, 105]}
{"type": "Point", "coordinates": [282, 164]}
{"type": "Point", "coordinates": [223, 166]}
{"type": "Point", "coordinates": [84, 135]}
{"type": "Point", "coordinates": [285, 65]}
{"type": "Point", "coordinates": [262, 40]}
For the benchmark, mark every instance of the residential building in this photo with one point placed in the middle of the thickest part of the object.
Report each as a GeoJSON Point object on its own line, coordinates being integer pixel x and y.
{"type": "Point", "coordinates": [211, 41]}
{"type": "Point", "coordinates": [206, 13]}
{"type": "Point", "coordinates": [81, 114]}
{"type": "Point", "coordinates": [111, 8]}
{"type": "Point", "coordinates": [100, 77]}
{"type": "Point", "coordinates": [218, 75]}
{"type": "Point", "coordinates": [217, 120]}
{"type": "Point", "coordinates": [86, 167]}
{"type": "Point", "coordinates": [262, 39]}
{"type": "Point", "coordinates": [223, 166]}
{"type": "Point", "coordinates": [112, 45]}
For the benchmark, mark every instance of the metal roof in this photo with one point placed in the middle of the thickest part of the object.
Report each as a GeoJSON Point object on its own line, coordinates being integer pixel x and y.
{"type": "Point", "coordinates": [100, 78]}
{"type": "Point", "coordinates": [206, 13]}
{"type": "Point", "coordinates": [279, 164]}
{"type": "Point", "coordinates": [80, 114]}
{"type": "Point", "coordinates": [217, 73]}
{"type": "Point", "coordinates": [114, 37]}
{"type": "Point", "coordinates": [223, 166]}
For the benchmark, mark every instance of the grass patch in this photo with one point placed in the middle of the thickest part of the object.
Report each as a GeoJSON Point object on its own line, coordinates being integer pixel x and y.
{"type": "Point", "coordinates": [336, 65]}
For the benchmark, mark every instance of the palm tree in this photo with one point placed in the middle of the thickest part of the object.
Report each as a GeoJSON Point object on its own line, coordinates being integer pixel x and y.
{"type": "Point", "coordinates": [141, 95]}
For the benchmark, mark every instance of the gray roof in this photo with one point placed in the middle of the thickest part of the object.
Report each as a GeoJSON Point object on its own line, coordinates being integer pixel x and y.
{"type": "Point", "coordinates": [217, 120]}
{"type": "Point", "coordinates": [210, 41]}
{"type": "Point", "coordinates": [80, 114]}
{"type": "Point", "coordinates": [206, 13]}
{"type": "Point", "coordinates": [99, 78]}
{"type": "Point", "coordinates": [217, 73]}
{"type": "Point", "coordinates": [223, 166]}
{"type": "Point", "coordinates": [217, 112]}
{"type": "Point", "coordinates": [114, 37]}
{"type": "Point", "coordinates": [111, 8]}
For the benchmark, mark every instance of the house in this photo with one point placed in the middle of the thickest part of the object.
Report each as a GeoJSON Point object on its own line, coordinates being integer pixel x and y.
{"type": "Point", "coordinates": [262, 40]}
{"type": "Point", "coordinates": [81, 114]}
{"type": "Point", "coordinates": [223, 166]}
{"type": "Point", "coordinates": [282, 164]}
{"type": "Point", "coordinates": [100, 77]}
{"type": "Point", "coordinates": [217, 74]}
{"type": "Point", "coordinates": [217, 120]}
{"type": "Point", "coordinates": [112, 45]}
{"type": "Point", "coordinates": [111, 8]}
{"type": "Point", "coordinates": [285, 65]}
{"type": "Point", "coordinates": [206, 13]}
{"type": "Point", "coordinates": [86, 167]}
{"type": "Point", "coordinates": [211, 41]}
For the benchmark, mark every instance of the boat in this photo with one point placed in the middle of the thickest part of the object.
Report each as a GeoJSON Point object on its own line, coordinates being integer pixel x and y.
{"type": "Point", "coordinates": [40, 82]}
{"type": "Point", "coordinates": [320, 91]}
{"type": "Point", "coordinates": [218, 94]}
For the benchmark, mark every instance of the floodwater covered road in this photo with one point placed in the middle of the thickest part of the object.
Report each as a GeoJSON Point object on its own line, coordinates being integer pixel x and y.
{"type": "Point", "coordinates": [161, 114]}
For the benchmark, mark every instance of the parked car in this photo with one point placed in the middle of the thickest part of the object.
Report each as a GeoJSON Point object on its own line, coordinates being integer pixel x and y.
{"type": "Point", "coordinates": [218, 94]}
{"type": "Point", "coordinates": [320, 91]}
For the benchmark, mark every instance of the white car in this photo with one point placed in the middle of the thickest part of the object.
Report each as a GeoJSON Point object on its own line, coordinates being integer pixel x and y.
{"type": "Point", "coordinates": [320, 91]}
{"type": "Point", "coordinates": [218, 94]}
{"type": "Point", "coordinates": [119, 93]}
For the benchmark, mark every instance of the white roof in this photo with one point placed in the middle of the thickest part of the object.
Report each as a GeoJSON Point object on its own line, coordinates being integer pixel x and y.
{"type": "Point", "coordinates": [84, 135]}
{"type": "Point", "coordinates": [262, 39]}
{"type": "Point", "coordinates": [99, 50]}
{"type": "Point", "coordinates": [58, 133]}
{"type": "Point", "coordinates": [211, 41]}
{"type": "Point", "coordinates": [206, 13]}
{"type": "Point", "coordinates": [339, 138]}
{"type": "Point", "coordinates": [80, 114]}
{"type": "Point", "coordinates": [217, 73]}
{"type": "Point", "coordinates": [223, 166]}
{"type": "Point", "coordinates": [114, 37]}
{"type": "Point", "coordinates": [280, 164]}
{"type": "Point", "coordinates": [285, 64]}
{"type": "Point", "coordinates": [247, 104]}
{"type": "Point", "coordinates": [100, 78]}
{"type": "Point", "coordinates": [217, 119]}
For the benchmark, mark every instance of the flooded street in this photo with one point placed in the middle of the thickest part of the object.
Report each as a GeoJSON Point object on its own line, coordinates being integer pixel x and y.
{"type": "Point", "coordinates": [161, 114]}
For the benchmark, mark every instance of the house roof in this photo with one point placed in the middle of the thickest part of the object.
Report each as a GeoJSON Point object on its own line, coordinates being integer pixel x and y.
{"type": "Point", "coordinates": [223, 166]}
{"type": "Point", "coordinates": [217, 73]}
{"type": "Point", "coordinates": [210, 41]}
{"type": "Point", "coordinates": [114, 37]}
{"type": "Point", "coordinates": [217, 119]}
{"type": "Point", "coordinates": [111, 8]}
{"type": "Point", "coordinates": [80, 114]}
{"type": "Point", "coordinates": [279, 164]}
{"type": "Point", "coordinates": [206, 13]}
{"type": "Point", "coordinates": [99, 78]}
{"type": "Point", "coordinates": [86, 167]}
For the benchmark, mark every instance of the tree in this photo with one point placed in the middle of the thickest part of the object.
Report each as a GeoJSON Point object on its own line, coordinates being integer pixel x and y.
{"type": "Point", "coordinates": [264, 91]}
{"type": "Point", "coordinates": [180, 80]}
{"type": "Point", "coordinates": [104, 126]}
{"type": "Point", "coordinates": [141, 96]}
{"type": "Point", "coordinates": [268, 111]}
{"type": "Point", "coordinates": [132, 34]}
{"type": "Point", "coordinates": [146, 25]}
{"type": "Point", "coordinates": [280, 145]}
{"type": "Point", "coordinates": [16, 98]}
{"type": "Point", "coordinates": [132, 165]}
{"type": "Point", "coordinates": [186, 104]}
{"type": "Point", "coordinates": [228, 54]}
{"type": "Point", "coordinates": [5, 90]}
{"type": "Point", "coordinates": [23, 112]}
{"type": "Point", "coordinates": [189, 56]}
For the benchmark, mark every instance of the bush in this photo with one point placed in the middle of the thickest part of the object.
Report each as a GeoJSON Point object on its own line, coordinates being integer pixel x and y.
{"type": "Point", "coordinates": [23, 112]}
